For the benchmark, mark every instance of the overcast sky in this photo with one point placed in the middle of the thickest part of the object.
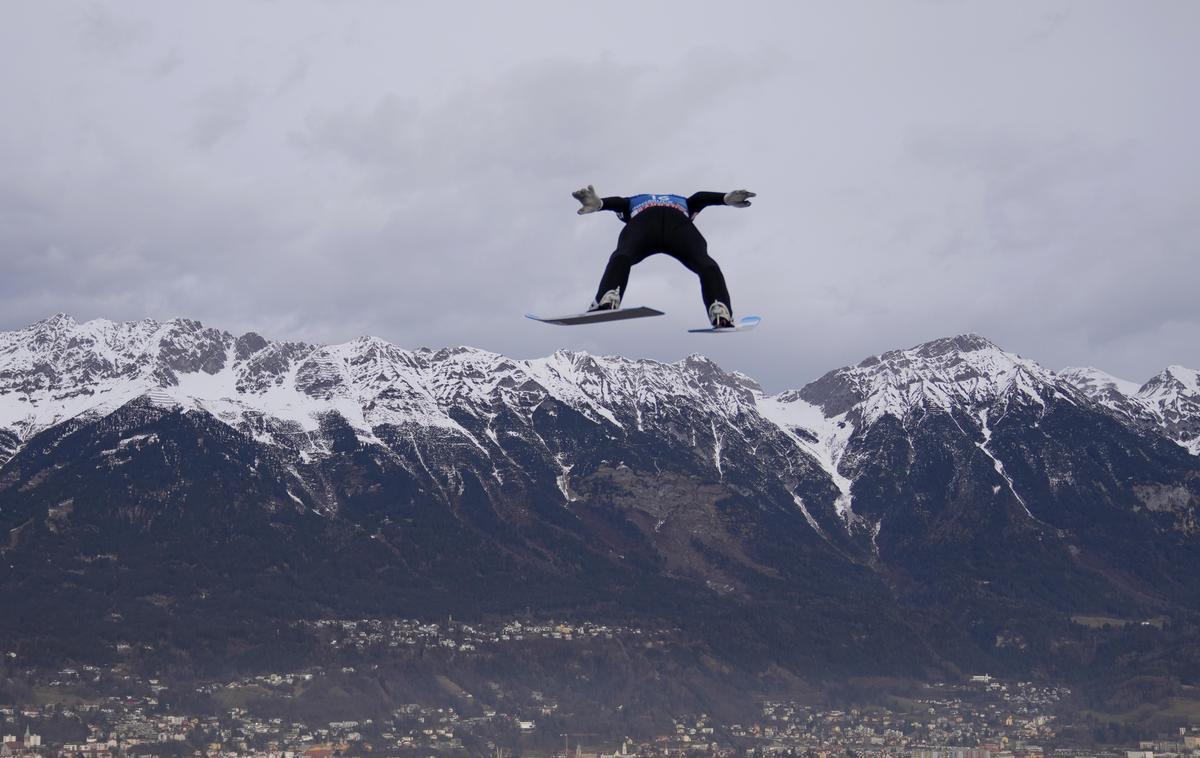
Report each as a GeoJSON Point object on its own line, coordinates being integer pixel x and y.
{"type": "Point", "coordinates": [321, 170]}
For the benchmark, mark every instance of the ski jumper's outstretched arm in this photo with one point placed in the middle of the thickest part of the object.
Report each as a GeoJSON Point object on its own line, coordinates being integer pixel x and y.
{"type": "Point", "coordinates": [619, 205]}
{"type": "Point", "coordinates": [701, 200]}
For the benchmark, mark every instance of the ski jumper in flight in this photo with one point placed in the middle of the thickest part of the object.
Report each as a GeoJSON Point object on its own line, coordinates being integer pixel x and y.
{"type": "Point", "coordinates": [663, 224]}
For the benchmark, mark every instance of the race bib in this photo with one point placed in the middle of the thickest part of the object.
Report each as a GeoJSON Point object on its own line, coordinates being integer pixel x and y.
{"type": "Point", "coordinates": [639, 203]}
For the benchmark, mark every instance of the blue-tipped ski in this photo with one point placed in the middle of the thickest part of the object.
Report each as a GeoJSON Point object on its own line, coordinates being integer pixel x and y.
{"type": "Point", "coordinates": [744, 324]}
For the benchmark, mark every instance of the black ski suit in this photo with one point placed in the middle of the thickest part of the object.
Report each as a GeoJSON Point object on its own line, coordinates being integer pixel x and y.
{"type": "Point", "coordinates": [663, 224]}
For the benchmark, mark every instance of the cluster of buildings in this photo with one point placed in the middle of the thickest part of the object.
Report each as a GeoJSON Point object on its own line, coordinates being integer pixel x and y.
{"type": "Point", "coordinates": [375, 634]}
{"type": "Point", "coordinates": [12, 745]}
{"type": "Point", "coordinates": [140, 725]}
{"type": "Point", "coordinates": [1186, 743]}
{"type": "Point", "coordinates": [981, 718]}
{"type": "Point", "coordinates": [986, 719]}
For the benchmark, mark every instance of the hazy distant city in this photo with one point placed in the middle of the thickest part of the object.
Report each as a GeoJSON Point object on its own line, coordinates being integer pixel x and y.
{"type": "Point", "coordinates": [978, 717]}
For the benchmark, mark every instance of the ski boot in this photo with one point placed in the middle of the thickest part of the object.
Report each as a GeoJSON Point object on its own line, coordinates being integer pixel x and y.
{"type": "Point", "coordinates": [609, 301]}
{"type": "Point", "coordinates": [719, 315]}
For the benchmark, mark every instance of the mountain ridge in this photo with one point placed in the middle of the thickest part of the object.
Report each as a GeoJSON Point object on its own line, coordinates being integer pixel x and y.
{"type": "Point", "coordinates": [950, 480]}
{"type": "Point", "coordinates": [175, 356]}
{"type": "Point", "coordinates": [280, 392]}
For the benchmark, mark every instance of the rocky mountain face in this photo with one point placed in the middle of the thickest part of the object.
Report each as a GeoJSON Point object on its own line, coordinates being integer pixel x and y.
{"type": "Point", "coordinates": [1174, 398]}
{"type": "Point", "coordinates": [947, 505]}
{"type": "Point", "coordinates": [1169, 402]}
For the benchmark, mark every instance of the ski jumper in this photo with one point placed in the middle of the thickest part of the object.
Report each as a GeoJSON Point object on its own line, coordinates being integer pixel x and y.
{"type": "Point", "coordinates": [663, 224]}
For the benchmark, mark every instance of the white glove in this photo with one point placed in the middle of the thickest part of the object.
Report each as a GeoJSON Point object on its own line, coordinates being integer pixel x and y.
{"type": "Point", "coordinates": [739, 198]}
{"type": "Point", "coordinates": [589, 199]}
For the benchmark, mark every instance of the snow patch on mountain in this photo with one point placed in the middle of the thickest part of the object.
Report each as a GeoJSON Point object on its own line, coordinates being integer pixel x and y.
{"type": "Point", "coordinates": [808, 516]}
{"type": "Point", "coordinates": [821, 437]}
{"type": "Point", "coordinates": [997, 463]}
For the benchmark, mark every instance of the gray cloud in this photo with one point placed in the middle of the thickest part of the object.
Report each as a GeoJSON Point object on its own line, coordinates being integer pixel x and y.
{"type": "Point", "coordinates": [105, 31]}
{"type": "Point", "coordinates": [221, 111]}
{"type": "Point", "coordinates": [167, 64]}
{"type": "Point", "coordinates": [923, 169]}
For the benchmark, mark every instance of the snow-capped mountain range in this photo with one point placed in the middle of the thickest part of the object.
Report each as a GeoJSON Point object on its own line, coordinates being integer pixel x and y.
{"type": "Point", "coordinates": [58, 369]}
{"type": "Point", "coordinates": [949, 477]}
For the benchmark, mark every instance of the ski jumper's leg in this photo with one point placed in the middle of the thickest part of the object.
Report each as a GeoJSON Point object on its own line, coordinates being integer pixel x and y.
{"type": "Point", "coordinates": [633, 246]}
{"type": "Point", "coordinates": [688, 246]}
